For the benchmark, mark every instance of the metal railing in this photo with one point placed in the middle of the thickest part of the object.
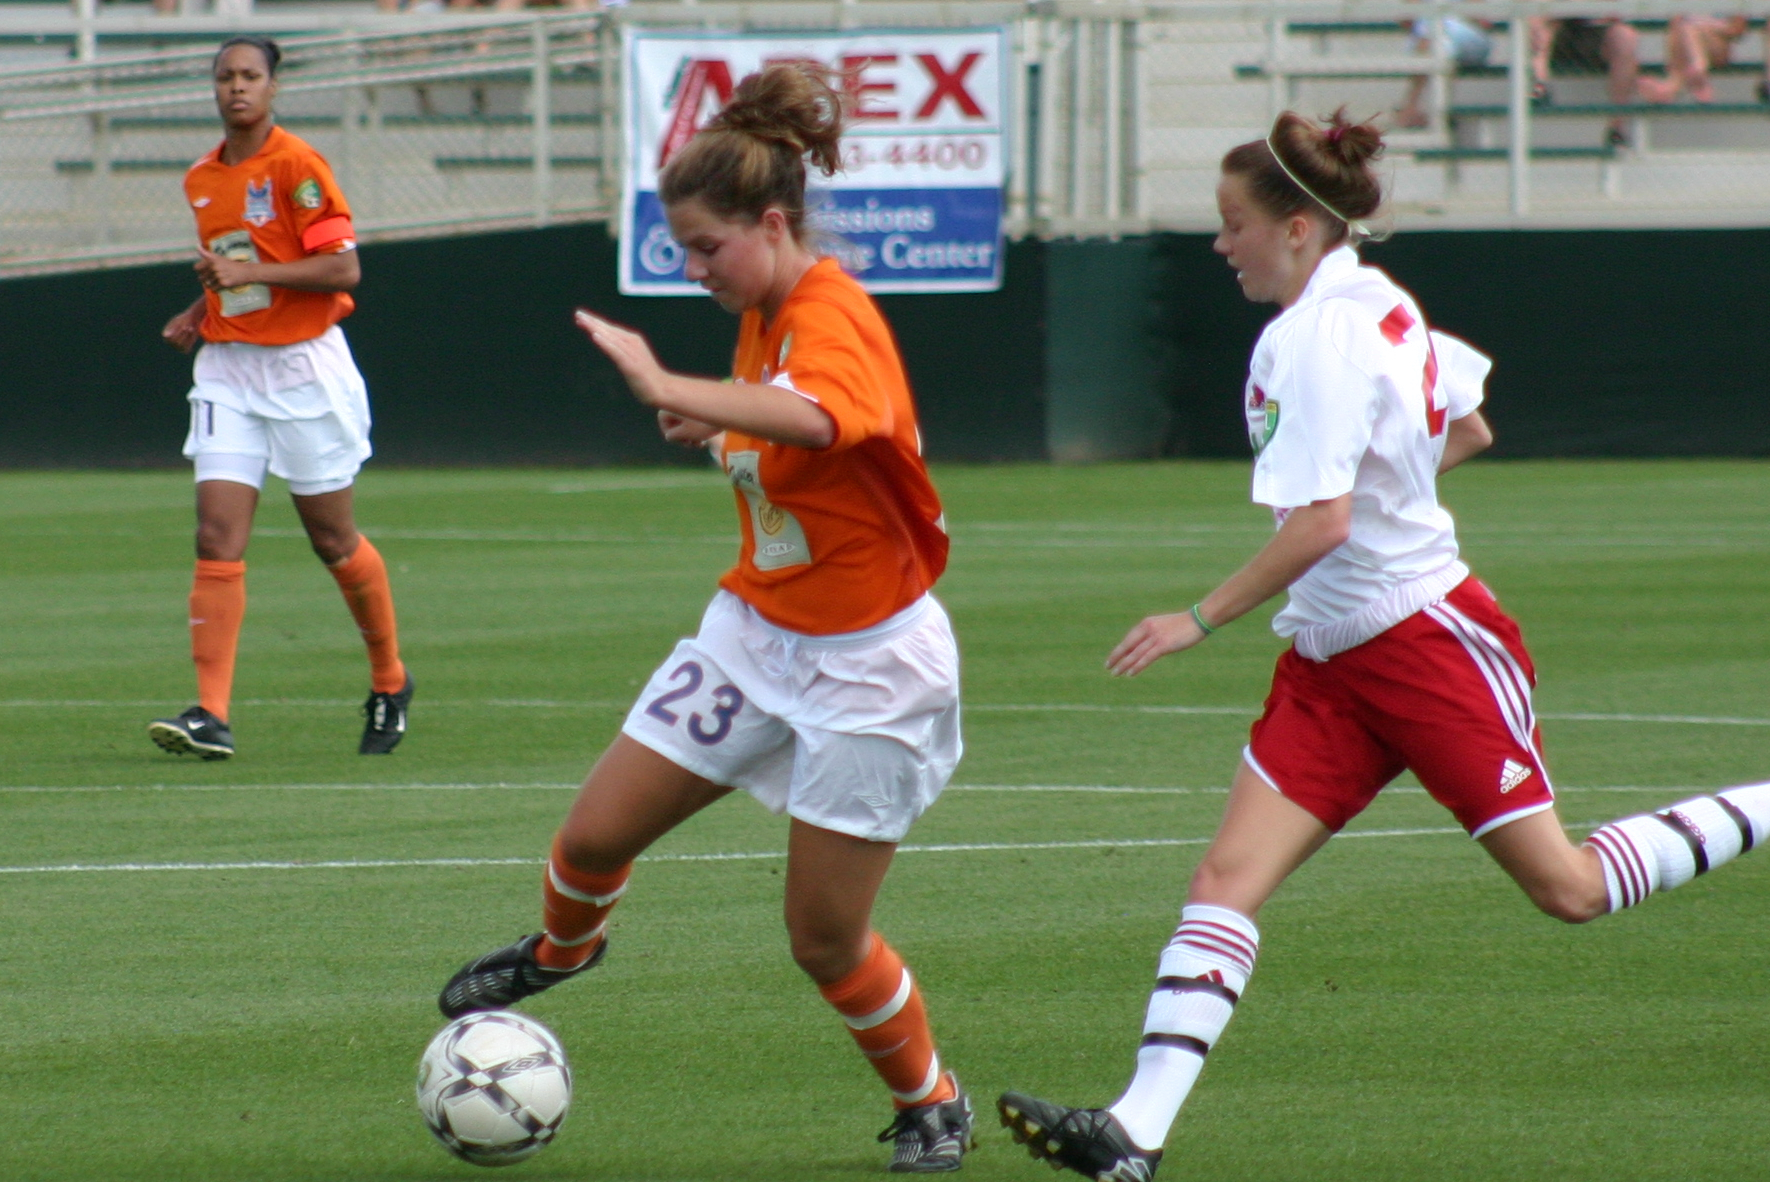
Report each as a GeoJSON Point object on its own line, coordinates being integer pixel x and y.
{"type": "Point", "coordinates": [1120, 112]}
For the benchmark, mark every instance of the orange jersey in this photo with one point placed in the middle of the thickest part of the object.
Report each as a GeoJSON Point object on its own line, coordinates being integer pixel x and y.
{"type": "Point", "coordinates": [834, 539]}
{"type": "Point", "coordinates": [278, 207]}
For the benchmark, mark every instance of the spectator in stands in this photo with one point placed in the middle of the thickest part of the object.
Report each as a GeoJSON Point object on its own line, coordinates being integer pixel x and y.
{"type": "Point", "coordinates": [1465, 42]}
{"type": "Point", "coordinates": [1588, 45]}
{"type": "Point", "coordinates": [1694, 46]}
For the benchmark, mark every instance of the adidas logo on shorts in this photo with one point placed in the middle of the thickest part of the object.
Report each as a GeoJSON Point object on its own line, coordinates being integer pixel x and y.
{"type": "Point", "coordinates": [1512, 774]}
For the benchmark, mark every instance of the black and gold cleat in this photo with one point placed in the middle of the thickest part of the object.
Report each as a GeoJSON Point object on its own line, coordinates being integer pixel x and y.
{"type": "Point", "coordinates": [1089, 1141]}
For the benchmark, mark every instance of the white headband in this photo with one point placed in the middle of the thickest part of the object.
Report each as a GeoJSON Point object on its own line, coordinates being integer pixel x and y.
{"type": "Point", "coordinates": [1355, 229]}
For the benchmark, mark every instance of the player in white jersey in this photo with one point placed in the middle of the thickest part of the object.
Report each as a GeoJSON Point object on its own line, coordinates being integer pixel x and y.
{"type": "Point", "coordinates": [1400, 659]}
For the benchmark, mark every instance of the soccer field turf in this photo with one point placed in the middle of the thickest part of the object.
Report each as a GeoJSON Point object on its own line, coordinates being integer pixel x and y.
{"type": "Point", "coordinates": [227, 970]}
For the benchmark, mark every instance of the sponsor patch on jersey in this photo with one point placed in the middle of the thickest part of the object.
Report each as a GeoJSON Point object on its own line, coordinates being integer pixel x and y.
{"type": "Point", "coordinates": [1262, 418]}
{"type": "Point", "coordinates": [307, 194]}
{"type": "Point", "coordinates": [199, 203]}
{"type": "Point", "coordinates": [259, 208]}
{"type": "Point", "coordinates": [1512, 774]}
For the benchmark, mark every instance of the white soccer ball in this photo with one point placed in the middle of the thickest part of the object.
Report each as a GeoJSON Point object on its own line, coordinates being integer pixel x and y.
{"type": "Point", "coordinates": [494, 1087]}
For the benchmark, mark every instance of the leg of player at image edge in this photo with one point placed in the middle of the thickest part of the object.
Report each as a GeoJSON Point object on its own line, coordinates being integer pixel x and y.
{"type": "Point", "coordinates": [1206, 966]}
{"type": "Point", "coordinates": [1666, 849]}
{"type": "Point", "coordinates": [879, 1002]}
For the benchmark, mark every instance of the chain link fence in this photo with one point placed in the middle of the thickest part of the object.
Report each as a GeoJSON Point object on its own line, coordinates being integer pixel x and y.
{"type": "Point", "coordinates": [1121, 112]}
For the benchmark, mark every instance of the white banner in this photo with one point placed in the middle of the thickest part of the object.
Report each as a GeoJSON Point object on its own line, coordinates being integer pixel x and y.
{"type": "Point", "coordinates": [917, 206]}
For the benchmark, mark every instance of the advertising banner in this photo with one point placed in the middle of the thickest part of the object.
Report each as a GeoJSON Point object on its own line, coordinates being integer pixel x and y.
{"type": "Point", "coordinates": [917, 206]}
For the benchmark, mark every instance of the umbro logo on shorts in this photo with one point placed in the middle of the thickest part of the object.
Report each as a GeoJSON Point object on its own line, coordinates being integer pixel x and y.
{"type": "Point", "coordinates": [1512, 774]}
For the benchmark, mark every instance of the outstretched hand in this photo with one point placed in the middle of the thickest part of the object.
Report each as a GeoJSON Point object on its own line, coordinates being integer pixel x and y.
{"type": "Point", "coordinates": [1152, 639]}
{"type": "Point", "coordinates": [631, 354]}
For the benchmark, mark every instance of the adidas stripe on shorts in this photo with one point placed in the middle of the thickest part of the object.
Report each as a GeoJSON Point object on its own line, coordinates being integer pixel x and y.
{"type": "Point", "coordinates": [1446, 693]}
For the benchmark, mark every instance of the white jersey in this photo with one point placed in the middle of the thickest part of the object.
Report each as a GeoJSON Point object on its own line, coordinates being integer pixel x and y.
{"type": "Point", "coordinates": [1349, 392]}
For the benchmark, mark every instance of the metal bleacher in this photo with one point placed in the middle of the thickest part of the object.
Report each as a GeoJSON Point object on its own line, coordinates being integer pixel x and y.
{"type": "Point", "coordinates": [460, 121]}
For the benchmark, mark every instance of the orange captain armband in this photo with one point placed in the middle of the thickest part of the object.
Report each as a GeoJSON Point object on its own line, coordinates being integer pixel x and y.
{"type": "Point", "coordinates": [327, 232]}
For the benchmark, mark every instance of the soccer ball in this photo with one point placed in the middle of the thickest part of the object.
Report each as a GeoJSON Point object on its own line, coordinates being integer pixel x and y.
{"type": "Point", "coordinates": [494, 1087]}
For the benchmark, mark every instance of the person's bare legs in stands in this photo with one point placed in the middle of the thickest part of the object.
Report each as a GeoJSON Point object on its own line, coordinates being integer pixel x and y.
{"type": "Point", "coordinates": [1542, 39]}
{"type": "Point", "coordinates": [1622, 57]}
{"type": "Point", "coordinates": [1694, 46]}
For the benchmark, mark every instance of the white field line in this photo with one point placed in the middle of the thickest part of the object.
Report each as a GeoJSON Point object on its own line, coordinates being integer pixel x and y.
{"type": "Point", "coordinates": [553, 786]}
{"type": "Point", "coordinates": [734, 856]}
{"type": "Point", "coordinates": [972, 707]}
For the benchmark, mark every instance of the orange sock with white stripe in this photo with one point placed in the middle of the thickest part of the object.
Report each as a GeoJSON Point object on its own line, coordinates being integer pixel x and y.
{"type": "Point", "coordinates": [576, 906]}
{"type": "Point", "coordinates": [363, 579]}
{"type": "Point", "coordinates": [218, 607]}
{"type": "Point", "coordinates": [883, 1009]}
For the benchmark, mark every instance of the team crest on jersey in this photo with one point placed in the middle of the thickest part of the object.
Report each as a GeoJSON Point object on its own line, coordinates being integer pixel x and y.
{"type": "Point", "coordinates": [307, 194]}
{"type": "Point", "coordinates": [1262, 418]}
{"type": "Point", "coordinates": [259, 208]}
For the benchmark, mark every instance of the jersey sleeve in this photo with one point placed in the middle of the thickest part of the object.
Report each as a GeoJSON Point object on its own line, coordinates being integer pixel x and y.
{"type": "Point", "coordinates": [317, 210]}
{"type": "Point", "coordinates": [1326, 411]}
{"type": "Point", "coordinates": [825, 360]}
{"type": "Point", "coordinates": [1462, 373]}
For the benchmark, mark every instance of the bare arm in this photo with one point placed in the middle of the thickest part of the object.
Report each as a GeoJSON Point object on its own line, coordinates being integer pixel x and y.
{"type": "Point", "coordinates": [317, 272]}
{"type": "Point", "coordinates": [769, 412]}
{"type": "Point", "coordinates": [1308, 535]}
{"type": "Point", "coordinates": [185, 330]}
{"type": "Point", "coordinates": [1466, 436]}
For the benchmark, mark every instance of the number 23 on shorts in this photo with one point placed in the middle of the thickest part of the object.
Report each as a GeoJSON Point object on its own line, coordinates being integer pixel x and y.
{"type": "Point", "coordinates": [729, 701]}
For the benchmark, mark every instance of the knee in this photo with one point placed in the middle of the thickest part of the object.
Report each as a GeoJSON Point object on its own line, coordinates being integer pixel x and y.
{"type": "Point", "coordinates": [823, 955]}
{"type": "Point", "coordinates": [333, 546]}
{"type": "Point", "coordinates": [220, 541]}
{"type": "Point", "coordinates": [1571, 902]}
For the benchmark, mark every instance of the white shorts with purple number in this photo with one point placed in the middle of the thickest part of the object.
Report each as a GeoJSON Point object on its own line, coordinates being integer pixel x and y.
{"type": "Point", "coordinates": [857, 733]}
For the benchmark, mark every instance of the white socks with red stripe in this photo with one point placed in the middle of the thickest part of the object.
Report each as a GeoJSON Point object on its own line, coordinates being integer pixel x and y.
{"type": "Point", "coordinates": [1203, 971]}
{"type": "Point", "coordinates": [1659, 851]}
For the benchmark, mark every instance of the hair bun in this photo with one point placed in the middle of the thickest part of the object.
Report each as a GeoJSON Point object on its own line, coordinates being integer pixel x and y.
{"type": "Point", "coordinates": [791, 104]}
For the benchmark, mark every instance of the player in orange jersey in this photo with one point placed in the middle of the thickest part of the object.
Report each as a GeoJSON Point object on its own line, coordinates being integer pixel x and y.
{"type": "Point", "coordinates": [824, 680]}
{"type": "Point", "coordinates": [275, 388]}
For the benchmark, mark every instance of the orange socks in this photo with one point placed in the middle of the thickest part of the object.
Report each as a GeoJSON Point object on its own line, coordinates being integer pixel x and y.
{"type": "Point", "coordinates": [883, 1009]}
{"type": "Point", "coordinates": [576, 908]}
{"type": "Point", "coordinates": [363, 579]}
{"type": "Point", "coordinates": [218, 605]}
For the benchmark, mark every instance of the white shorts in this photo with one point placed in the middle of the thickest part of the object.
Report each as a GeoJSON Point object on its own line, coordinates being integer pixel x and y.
{"type": "Point", "coordinates": [301, 411]}
{"type": "Point", "coordinates": [856, 733]}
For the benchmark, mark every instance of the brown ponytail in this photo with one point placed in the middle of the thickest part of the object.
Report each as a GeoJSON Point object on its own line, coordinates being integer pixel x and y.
{"type": "Point", "coordinates": [752, 154]}
{"type": "Point", "coordinates": [1334, 163]}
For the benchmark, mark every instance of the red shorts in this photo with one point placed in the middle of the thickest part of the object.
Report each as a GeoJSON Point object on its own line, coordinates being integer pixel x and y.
{"type": "Point", "coordinates": [1445, 693]}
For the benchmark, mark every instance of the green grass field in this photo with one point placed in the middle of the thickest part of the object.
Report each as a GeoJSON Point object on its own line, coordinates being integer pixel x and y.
{"type": "Point", "coordinates": [227, 970]}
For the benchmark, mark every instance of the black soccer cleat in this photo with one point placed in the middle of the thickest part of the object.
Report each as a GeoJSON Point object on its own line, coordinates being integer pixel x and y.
{"type": "Point", "coordinates": [498, 980]}
{"type": "Point", "coordinates": [931, 1138]}
{"type": "Point", "coordinates": [1090, 1141]}
{"type": "Point", "coordinates": [196, 732]}
{"type": "Point", "coordinates": [386, 725]}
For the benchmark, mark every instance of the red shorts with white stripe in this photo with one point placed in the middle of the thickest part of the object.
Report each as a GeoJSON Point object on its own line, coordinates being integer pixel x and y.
{"type": "Point", "coordinates": [1445, 694]}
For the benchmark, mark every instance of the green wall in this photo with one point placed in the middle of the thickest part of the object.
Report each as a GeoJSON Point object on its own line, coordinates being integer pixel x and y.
{"type": "Point", "coordinates": [471, 357]}
{"type": "Point", "coordinates": [1634, 343]}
